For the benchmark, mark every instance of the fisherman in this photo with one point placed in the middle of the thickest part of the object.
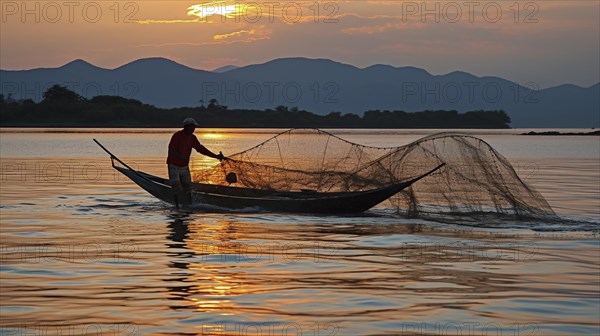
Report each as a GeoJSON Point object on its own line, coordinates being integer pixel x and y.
{"type": "Point", "coordinates": [180, 149]}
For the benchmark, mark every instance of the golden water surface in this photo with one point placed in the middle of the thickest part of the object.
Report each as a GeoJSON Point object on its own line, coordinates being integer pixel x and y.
{"type": "Point", "coordinates": [86, 252]}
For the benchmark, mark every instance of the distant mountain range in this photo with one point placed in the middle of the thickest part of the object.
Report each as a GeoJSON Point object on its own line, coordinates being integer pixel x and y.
{"type": "Point", "coordinates": [317, 85]}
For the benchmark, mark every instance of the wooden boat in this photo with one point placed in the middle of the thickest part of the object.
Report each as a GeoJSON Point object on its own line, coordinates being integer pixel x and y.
{"type": "Point", "coordinates": [220, 197]}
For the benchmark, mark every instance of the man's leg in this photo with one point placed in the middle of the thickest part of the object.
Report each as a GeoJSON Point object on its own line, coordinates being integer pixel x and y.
{"type": "Point", "coordinates": [175, 183]}
{"type": "Point", "coordinates": [186, 181]}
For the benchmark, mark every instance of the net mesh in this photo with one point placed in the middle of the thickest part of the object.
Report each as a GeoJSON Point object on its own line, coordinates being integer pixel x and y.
{"type": "Point", "coordinates": [475, 180]}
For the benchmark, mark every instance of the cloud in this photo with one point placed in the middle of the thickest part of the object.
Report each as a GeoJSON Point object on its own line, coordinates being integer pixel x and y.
{"type": "Point", "coordinates": [165, 21]}
{"type": "Point", "coordinates": [369, 30]}
{"type": "Point", "coordinates": [241, 36]}
{"type": "Point", "coordinates": [234, 34]}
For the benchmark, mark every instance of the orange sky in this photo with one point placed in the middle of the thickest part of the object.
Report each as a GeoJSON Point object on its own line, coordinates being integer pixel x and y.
{"type": "Point", "coordinates": [546, 42]}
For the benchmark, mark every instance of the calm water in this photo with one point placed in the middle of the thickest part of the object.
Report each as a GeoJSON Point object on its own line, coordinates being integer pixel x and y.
{"type": "Point", "coordinates": [86, 252]}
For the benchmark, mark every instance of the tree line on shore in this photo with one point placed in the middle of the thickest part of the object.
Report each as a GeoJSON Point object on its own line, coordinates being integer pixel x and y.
{"type": "Point", "coordinates": [62, 107]}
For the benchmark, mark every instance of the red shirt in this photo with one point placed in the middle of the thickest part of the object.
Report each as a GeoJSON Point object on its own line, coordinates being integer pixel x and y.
{"type": "Point", "coordinates": [180, 148]}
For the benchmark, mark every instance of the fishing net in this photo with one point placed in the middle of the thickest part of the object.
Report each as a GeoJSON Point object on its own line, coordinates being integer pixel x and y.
{"type": "Point", "coordinates": [476, 179]}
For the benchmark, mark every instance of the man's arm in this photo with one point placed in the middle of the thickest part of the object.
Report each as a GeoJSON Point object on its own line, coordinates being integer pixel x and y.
{"type": "Point", "coordinates": [205, 151]}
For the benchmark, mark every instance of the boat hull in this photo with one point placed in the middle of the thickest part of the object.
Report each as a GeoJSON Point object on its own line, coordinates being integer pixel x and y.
{"type": "Point", "coordinates": [234, 198]}
{"type": "Point", "coordinates": [240, 198]}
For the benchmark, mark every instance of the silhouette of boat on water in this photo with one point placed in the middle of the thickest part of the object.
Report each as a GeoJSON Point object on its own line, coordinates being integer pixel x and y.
{"type": "Point", "coordinates": [220, 197]}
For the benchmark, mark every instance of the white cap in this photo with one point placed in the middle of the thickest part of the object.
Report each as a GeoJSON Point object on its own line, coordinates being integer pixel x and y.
{"type": "Point", "coordinates": [189, 121]}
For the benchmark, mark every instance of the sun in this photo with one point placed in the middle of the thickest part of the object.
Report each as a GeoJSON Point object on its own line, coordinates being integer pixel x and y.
{"type": "Point", "coordinates": [207, 9]}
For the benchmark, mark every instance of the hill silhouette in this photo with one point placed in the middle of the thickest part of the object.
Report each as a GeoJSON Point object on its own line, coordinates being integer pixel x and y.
{"type": "Point", "coordinates": [321, 86]}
